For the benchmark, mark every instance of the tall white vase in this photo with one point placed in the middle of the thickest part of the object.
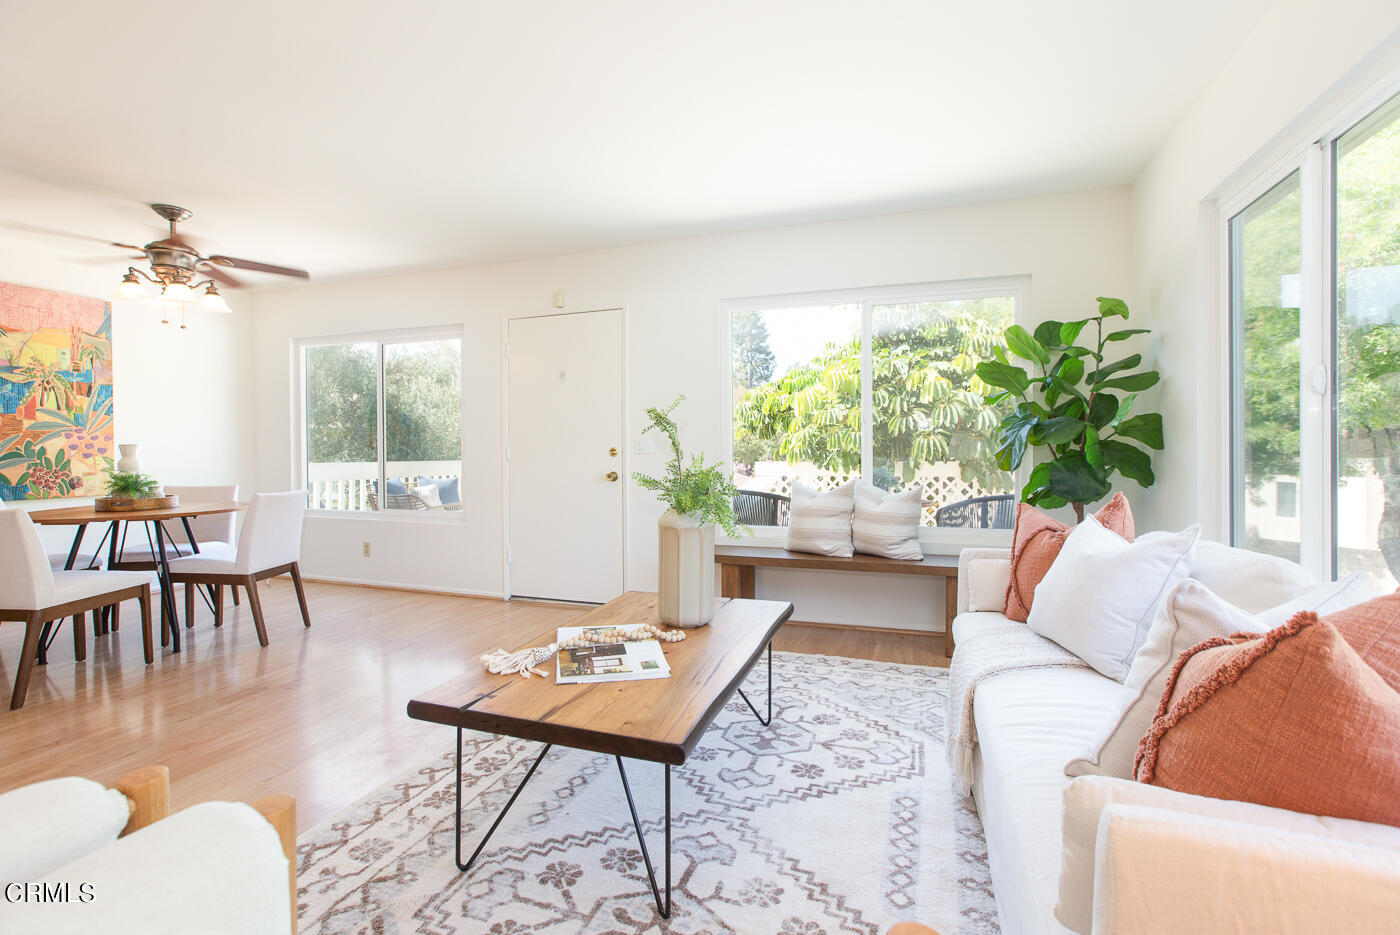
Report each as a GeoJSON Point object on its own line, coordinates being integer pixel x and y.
{"type": "Point", "coordinates": [130, 461]}
{"type": "Point", "coordinates": [687, 579]}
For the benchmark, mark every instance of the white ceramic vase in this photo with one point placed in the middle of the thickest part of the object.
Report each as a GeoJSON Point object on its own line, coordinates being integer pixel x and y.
{"type": "Point", "coordinates": [686, 592]}
{"type": "Point", "coordinates": [129, 462]}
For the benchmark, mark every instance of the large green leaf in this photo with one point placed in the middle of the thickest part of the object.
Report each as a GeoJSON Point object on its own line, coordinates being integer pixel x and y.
{"type": "Point", "coordinates": [1102, 409]}
{"type": "Point", "coordinates": [1007, 376]}
{"type": "Point", "coordinates": [1014, 430]}
{"type": "Point", "coordinates": [1125, 334]}
{"type": "Point", "coordinates": [1129, 460]}
{"type": "Point", "coordinates": [1039, 479]}
{"type": "Point", "coordinates": [1076, 480]}
{"type": "Point", "coordinates": [1064, 386]}
{"type": "Point", "coordinates": [1069, 331]}
{"type": "Point", "coordinates": [1071, 371]}
{"type": "Point", "coordinates": [1133, 382]}
{"type": "Point", "coordinates": [1108, 370]}
{"type": "Point", "coordinates": [1024, 344]}
{"type": "Point", "coordinates": [1060, 430]}
{"type": "Point", "coordinates": [1111, 307]}
{"type": "Point", "coordinates": [1048, 334]}
{"type": "Point", "coordinates": [1092, 453]}
{"type": "Point", "coordinates": [1146, 428]}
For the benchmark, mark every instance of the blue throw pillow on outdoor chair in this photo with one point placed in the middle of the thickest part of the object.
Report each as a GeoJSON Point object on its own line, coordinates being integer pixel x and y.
{"type": "Point", "coordinates": [448, 490]}
{"type": "Point", "coordinates": [396, 486]}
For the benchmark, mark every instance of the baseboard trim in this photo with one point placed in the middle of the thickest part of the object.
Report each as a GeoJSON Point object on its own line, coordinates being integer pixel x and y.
{"type": "Point", "coordinates": [863, 628]}
{"type": "Point", "coordinates": [412, 589]}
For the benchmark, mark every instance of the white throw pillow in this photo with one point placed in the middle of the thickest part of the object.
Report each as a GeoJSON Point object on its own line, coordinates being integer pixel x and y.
{"type": "Point", "coordinates": [428, 493]}
{"type": "Point", "coordinates": [1252, 581]}
{"type": "Point", "coordinates": [821, 522]}
{"type": "Point", "coordinates": [1101, 592]}
{"type": "Point", "coordinates": [987, 579]}
{"type": "Point", "coordinates": [887, 524]}
{"type": "Point", "coordinates": [1190, 614]}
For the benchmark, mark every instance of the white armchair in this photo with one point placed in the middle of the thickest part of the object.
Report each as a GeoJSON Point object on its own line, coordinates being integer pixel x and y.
{"type": "Point", "coordinates": [123, 864]}
{"type": "Point", "coordinates": [269, 546]}
{"type": "Point", "coordinates": [31, 592]}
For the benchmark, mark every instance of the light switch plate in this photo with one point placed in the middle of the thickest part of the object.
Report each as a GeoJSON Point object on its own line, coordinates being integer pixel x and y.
{"type": "Point", "coordinates": [644, 445]}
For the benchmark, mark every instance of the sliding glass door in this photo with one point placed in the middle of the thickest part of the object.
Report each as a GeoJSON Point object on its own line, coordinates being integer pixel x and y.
{"type": "Point", "coordinates": [1265, 261]}
{"type": "Point", "coordinates": [1314, 267]}
{"type": "Point", "coordinates": [1366, 173]}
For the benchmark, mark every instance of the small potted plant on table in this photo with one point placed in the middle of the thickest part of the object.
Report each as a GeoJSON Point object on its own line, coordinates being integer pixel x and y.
{"type": "Point", "coordinates": [700, 496]}
{"type": "Point", "coordinates": [128, 491]}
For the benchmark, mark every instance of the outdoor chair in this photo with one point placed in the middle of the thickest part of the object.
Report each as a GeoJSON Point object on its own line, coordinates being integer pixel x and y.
{"type": "Point", "coordinates": [760, 508]}
{"type": "Point", "coordinates": [997, 511]}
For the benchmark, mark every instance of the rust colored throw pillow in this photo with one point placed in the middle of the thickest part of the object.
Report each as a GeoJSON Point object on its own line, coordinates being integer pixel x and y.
{"type": "Point", "coordinates": [1293, 718]}
{"type": "Point", "coordinates": [1373, 630]}
{"type": "Point", "coordinates": [1038, 539]}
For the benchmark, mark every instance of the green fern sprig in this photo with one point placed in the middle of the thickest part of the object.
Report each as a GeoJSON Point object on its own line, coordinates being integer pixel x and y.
{"type": "Point", "coordinates": [696, 489]}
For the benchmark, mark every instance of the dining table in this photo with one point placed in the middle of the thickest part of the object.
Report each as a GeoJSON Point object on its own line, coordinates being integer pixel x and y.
{"type": "Point", "coordinates": [114, 539]}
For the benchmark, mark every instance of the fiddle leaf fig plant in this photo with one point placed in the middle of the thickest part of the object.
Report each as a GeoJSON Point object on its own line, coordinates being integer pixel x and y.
{"type": "Point", "coordinates": [1077, 405]}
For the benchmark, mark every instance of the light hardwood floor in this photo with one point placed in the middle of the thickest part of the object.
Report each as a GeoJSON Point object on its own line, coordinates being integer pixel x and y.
{"type": "Point", "coordinates": [319, 713]}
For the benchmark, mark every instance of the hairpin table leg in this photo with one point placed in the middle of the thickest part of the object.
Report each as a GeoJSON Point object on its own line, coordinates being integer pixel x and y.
{"type": "Point", "coordinates": [663, 908]}
{"type": "Point", "coordinates": [761, 720]}
{"type": "Point", "coordinates": [477, 853]}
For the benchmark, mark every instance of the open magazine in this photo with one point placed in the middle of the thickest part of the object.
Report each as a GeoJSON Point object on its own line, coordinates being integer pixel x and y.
{"type": "Point", "coordinates": [601, 661]}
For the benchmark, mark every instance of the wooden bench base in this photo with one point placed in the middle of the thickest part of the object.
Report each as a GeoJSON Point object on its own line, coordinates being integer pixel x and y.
{"type": "Point", "coordinates": [738, 566]}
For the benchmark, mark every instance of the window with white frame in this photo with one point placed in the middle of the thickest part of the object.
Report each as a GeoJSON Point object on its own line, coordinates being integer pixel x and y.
{"type": "Point", "coordinates": [382, 423]}
{"type": "Point", "coordinates": [1314, 284]}
{"type": "Point", "coordinates": [877, 384]}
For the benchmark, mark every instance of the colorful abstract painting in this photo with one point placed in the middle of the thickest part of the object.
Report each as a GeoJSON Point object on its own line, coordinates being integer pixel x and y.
{"type": "Point", "coordinates": [55, 394]}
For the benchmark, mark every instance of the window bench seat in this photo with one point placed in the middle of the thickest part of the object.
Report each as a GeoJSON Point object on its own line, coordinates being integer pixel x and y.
{"type": "Point", "coordinates": [737, 563]}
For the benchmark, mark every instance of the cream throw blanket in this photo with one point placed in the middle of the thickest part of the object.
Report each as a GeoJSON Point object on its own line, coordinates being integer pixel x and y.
{"type": "Point", "coordinates": [990, 649]}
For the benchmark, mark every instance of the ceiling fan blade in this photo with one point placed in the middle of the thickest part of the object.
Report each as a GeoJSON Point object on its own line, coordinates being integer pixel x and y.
{"type": "Point", "coordinates": [51, 232]}
{"type": "Point", "coordinates": [219, 276]}
{"type": "Point", "coordinates": [260, 267]}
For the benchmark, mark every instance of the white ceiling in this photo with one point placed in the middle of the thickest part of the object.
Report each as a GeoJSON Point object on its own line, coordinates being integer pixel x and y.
{"type": "Point", "coordinates": [355, 136]}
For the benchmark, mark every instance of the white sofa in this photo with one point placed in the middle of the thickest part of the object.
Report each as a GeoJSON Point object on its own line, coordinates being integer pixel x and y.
{"type": "Point", "coordinates": [1137, 859]}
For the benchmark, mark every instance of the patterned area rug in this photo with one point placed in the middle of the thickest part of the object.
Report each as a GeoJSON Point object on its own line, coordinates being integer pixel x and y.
{"type": "Point", "coordinates": [839, 818]}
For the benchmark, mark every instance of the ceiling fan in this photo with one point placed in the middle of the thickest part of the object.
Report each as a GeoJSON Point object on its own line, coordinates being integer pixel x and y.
{"type": "Point", "coordinates": [176, 267]}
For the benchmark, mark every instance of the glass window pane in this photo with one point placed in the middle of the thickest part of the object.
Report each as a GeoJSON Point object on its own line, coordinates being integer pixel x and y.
{"type": "Point", "coordinates": [1265, 265]}
{"type": "Point", "coordinates": [1367, 503]}
{"type": "Point", "coordinates": [797, 375]}
{"type": "Point", "coordinates": [342, 430]}
{"type": "Point", "coordinates": [423, 425]}
{"type": "Point", "coordinates": [932, 427]}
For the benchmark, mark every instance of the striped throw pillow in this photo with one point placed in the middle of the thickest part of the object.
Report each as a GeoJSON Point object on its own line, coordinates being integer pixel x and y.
{"type": "Point", "coordinates": [821, 522]}
{"type": "Point", "coordinates": [887, 524]}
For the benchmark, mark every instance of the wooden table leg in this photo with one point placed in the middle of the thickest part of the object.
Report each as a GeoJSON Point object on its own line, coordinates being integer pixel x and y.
{"type": "Point", "coordinates": [950, 610]}
{"type": "Point", "coordinates": [736, 581]}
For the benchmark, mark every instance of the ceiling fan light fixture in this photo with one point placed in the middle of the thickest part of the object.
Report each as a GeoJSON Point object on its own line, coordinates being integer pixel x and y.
{"type": "Point", "coordinates": [130, 289]}
{"type": "Point", "coordinates": [177, 292]}
{"type": "Point", "coordinates": [212, 301]}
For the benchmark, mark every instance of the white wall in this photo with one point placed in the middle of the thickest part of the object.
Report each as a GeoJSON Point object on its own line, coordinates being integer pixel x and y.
{"type": "Point", "coordinates": [1074, 247]}
{"type": "Point", "coordinates": [1303, 57]}
{"type": "Point", "coordinates": [181, 395]}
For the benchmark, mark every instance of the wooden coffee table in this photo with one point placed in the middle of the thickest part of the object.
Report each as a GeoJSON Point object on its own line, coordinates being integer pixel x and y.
{"type": "Point", "coordinates": [659, 720]}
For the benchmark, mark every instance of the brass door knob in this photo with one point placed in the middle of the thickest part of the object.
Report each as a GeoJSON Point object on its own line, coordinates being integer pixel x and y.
{"type": "Point", "coordinates": [611, 475]}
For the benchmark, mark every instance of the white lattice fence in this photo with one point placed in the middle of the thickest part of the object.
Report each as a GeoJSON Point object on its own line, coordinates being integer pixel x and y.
{"type": "Point", "coordinates": [941, 482]}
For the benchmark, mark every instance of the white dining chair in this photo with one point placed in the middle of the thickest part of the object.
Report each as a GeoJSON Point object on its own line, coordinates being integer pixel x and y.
{"type": "Point", "coordinates": [270, 545]}
{"type": "Point", "coordinates": [213, 532]}
{"type": "Point", "coordinates": [83, 560]}
{"type": "Point", "coordinates": [32, 592]}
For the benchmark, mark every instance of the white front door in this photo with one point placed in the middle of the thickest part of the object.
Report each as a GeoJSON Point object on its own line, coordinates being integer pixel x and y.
{"type": "Point", "coordinates": [564, 456]}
